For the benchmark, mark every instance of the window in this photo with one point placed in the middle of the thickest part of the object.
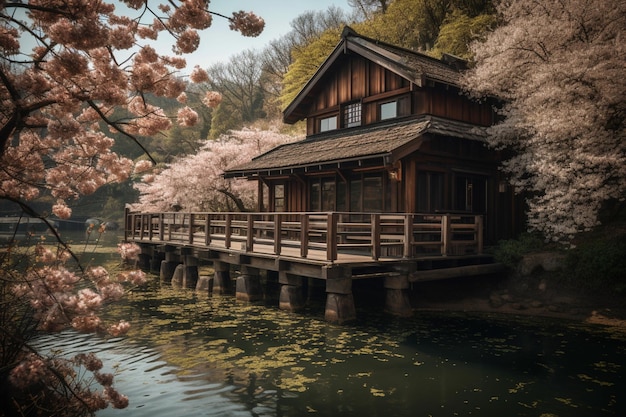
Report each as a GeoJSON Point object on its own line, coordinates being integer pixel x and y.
{"type": "Point", "coordinates": [352, 115]}
{"type": "Point", "coordinates": [279, 197]}
{"type": "Point", "coordinates": [430, 189]}
{"type": "Point", "coordinates": [328, 123]}
{"type": "Point", "coordinates": [368, 193]}
{"type": "Point", "coordinates": [388, 110]}
{"type": "Point", "coordinates": [327, 194]}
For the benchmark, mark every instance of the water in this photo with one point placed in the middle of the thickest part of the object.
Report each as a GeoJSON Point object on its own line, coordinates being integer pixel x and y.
{"type": "Point", "coordinates": [193, 355]}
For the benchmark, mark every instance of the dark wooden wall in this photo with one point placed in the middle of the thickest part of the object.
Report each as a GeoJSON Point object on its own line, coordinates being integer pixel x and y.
{"type": "Point", "coordinates": [357, 79]}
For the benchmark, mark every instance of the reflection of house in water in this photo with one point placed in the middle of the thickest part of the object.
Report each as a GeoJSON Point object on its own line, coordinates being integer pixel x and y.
{"type": "Point", "coordinates": [394, 181]}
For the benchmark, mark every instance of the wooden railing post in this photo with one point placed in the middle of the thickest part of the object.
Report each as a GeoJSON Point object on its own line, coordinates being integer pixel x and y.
{"type": "Point", "coordinates": [170, 226]}
{"type": "Point", "coordinates": [192, 219]}
{"type": "Point", "coordinates": [446, 234]}
{"type": "Point", "coordinates": [133, 225]}
{"type": "Point", "coordinates": [408, 236]}
{"type": "Point", "coordinates": [375, 236]}
{"type": "Point", "coordinates": [331, 236]}
{"type": "Point", "coordinates": [249, 233]}
{"type": "Point", "coordinates": [304, 235]}
{"type": "Point", "coordinates": [126, 222]}
{"type": "Point", "coordinates": [161, 224]}
{"type": "Point", "coordinates": [207, 230]}
{"type": "Point", "coordinates": [227, 231]}
{"type": "Point", "coordinates": [478, 221]}
{"type": "Point", "coordinates": [278, 230]}
{"type": "Point", "coordinates": [144, 222]}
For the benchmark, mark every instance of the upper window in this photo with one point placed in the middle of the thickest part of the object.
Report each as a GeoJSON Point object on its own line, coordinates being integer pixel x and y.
{"type": "Point", "coordinates": [328, 123]}
{"type": "Point", "coordinates": [352, 115]}
{"type": "Point", "coordinates": [389, 110]}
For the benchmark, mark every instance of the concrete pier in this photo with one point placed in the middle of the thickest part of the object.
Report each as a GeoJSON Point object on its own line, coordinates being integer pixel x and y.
{"type": "Point", "coordinates": [339, 300]}
{"type": "Point", "coordinates": [291, 292]}
{"type": "Point", "coordinates": [221, 278]}
{"type": "Point", "coordinates": [248, 285]}
{"type": "Point", "coordinates": [397, 295]}
{"type": "Point", "coordinates": [168, 264]}
{"type": "Point", "coordinates": [190, 274]}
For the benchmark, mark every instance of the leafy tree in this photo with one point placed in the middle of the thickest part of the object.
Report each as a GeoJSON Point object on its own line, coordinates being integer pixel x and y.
{"type": "Point", "coordinates": [307, 59]}
{"type": "Point", "coordinates": [368, 8]}
{"type": "Point", "coordinates": [559, 68]}
{"type": "Point", "coordinates": [459, 30]}
{"type": "Point", "coordinates": [239, 83]}
{"type": "Point", "coordinates": [67, 69]}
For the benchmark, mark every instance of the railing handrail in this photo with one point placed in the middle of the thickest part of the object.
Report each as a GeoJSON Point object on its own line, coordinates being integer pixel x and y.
{"type": "Point", "coordinates": [331, 232]}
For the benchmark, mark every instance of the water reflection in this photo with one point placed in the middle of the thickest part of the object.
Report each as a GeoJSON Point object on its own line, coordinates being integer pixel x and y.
{"type": "Point", "coordinates": [191, 355]}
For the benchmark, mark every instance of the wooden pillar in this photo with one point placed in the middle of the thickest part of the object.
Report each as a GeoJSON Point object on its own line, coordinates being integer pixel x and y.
{"type": "Point", "coordinates": [155, 261]}
{"type": "Point", "coordinates": [291, 292]}
{"type": "Point", "coordinates": [248, 285]}
{"type": "Point", "coordinates": [169, 264]}
{"type": "Point", "coordinates": [144, 258]}
{"type": "Point", "coordinates": [221, 278]}
{"type": "Point", "coordinates": [339, 300]}
{"type": "Point", "coordinates": [397, 295]}
{"type": "Point", "coordinates": [190, 275]}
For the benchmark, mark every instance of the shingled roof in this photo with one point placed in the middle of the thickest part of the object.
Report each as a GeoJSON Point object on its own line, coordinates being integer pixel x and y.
{"type": "Point", "coordinates": [413, 66]}
{"type": "Point", "coordinates": [385, 141]}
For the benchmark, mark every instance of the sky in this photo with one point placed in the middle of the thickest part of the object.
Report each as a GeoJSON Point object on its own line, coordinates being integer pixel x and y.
{"type": "Point", "coordinates": [218, 43]}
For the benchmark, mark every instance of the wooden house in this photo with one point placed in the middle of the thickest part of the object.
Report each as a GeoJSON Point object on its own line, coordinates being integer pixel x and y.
{"type": "Point", "coordinates": [388, 131]}
{"type": "Point", "coordinates": [393, 181]}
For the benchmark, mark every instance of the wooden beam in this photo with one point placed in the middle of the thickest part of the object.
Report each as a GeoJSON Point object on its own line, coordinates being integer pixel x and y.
{"type": "Point", "coordinates": [456, 272]}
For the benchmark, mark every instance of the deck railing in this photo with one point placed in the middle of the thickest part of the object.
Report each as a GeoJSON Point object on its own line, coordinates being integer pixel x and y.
{"type": "Point", "coordinates": [305, 235]}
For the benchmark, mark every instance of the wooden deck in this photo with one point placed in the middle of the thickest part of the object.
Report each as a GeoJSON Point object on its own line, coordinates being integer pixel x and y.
{"type": "Point", "coordinates": [335, 247]}
{"type": "Point", "coordinates": [329, 237]}
{"type": "Point", "coordinates": [320, 240]}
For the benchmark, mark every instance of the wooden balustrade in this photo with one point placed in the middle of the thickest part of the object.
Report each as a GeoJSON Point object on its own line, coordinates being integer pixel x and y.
{"type": "Point", "coordinates": [328, 236]}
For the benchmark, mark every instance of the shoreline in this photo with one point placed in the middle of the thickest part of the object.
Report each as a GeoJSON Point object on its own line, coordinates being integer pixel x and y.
{"type": "Point", "coordinates": [521, 297]}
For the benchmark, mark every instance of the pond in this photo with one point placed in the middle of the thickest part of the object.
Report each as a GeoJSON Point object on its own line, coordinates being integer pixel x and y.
{"type": "Point", "coordinates": [189, 354]}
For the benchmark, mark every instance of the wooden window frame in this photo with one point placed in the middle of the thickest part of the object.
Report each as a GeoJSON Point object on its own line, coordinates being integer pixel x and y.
{"type": "Point", "coordinates": [352, 114]}
{"type": "Point", "coordinates": [321, 120]}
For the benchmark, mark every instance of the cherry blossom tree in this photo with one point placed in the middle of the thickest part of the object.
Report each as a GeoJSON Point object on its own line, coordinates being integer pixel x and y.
{"type": "Point", "coordinates": [559, 69]}
{"type": "Point", "coordinates": [72, 75]}
{"type": "Point", "coordinates": [195, 182]}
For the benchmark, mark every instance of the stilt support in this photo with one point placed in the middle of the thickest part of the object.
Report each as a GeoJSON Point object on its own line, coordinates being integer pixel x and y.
{"type": "Point", "coordinates": [144, 259]}
{"type": "Point", "coordinates": [397, 297]}
{"type": "Point", "coordinates": [155, 260]}
{"type": "Point", "coordinates": [205, 283]}
{"type": "Point", "coordinates": [177, 278]}
{"type": "Point", "coordinates": [190, 276]}
{"type": "Point", "coordinates": [339, 300]}
{"type": "Point", "coordinates": [291, 292]}
{"type": "Point", "coordinates": [169, 264]}
{"type": "Point", "coordinates": [221, 278]}
{"type": "Point", "coordinates": [248, 286]}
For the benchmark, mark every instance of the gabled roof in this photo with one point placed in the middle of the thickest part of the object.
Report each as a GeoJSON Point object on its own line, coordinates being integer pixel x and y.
{"type": "Point", "coordinates": [415, 67]}
{"type": "Point", "coordinates": [383, 142]}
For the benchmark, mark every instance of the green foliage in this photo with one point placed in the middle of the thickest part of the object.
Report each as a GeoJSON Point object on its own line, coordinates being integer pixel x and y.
{"type": "Point", "coordinates": [225, 118]}
{"type": "Point", "coordinates": [306, 61]}
{"type": "Point", "coordinates": [459, 30]}
{"type": "Point", "coordinates": [510, 252]}
{"type": "Point", "coordinates": [598, 265]}
{"type": "Point", "coordinates": [420, 25]}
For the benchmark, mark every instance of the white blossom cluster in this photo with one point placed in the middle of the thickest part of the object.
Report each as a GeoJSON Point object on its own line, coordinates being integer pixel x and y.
{"type": "Point", "coordinates": [559, 67]}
